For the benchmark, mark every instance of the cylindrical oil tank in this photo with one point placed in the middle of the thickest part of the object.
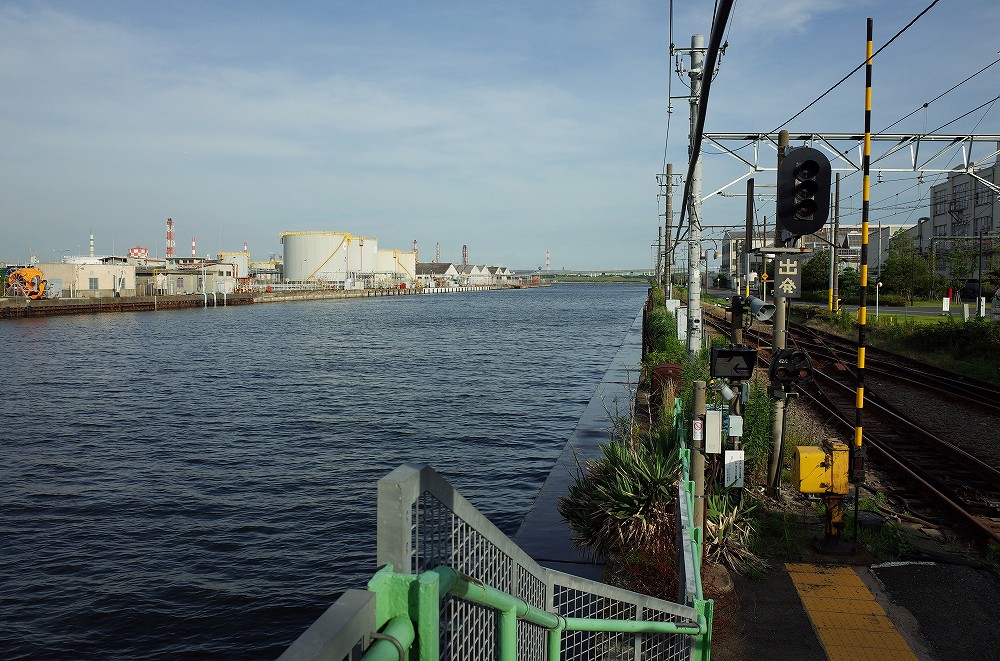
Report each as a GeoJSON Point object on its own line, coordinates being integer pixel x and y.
{"type": "Point", "coordinates": [315, 255]}
{"type": "Point", "coordinates": [240, 262]}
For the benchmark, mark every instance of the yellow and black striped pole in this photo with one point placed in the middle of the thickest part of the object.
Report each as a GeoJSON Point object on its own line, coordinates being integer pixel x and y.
{"type": "Point", "coordinates": [857, 456]}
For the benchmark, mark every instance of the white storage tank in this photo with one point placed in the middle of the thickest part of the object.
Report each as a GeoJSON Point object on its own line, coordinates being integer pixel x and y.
{"type": "Point", "coordinates": [328, 256]}
{"type": "Point", "coordinates": [315, 256]}
{"type": "Point", "coordinates": [395, 267]}
{"type": "Point", "coordinates": [240, 262]}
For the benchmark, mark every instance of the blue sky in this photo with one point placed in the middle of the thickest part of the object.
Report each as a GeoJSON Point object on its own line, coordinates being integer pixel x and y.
{"type": "Point", "coordinates": [513, 127]}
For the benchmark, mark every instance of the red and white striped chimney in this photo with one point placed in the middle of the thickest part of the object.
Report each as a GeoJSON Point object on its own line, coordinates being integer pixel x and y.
{"type": "Point", "coordinates": [171, 252]}
{"type": "Point", "coordinates": [194, 252]}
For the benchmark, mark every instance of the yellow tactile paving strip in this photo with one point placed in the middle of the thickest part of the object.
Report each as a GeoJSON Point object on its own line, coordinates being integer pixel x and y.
{"type": "Point", "coordinates": [849, 622]}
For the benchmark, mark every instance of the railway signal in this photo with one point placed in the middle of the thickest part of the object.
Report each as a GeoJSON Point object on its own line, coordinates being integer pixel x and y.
{"type": "Point", "coordinates": [790, 367]}
{"type": "Point", "coordinates": [803, 191]}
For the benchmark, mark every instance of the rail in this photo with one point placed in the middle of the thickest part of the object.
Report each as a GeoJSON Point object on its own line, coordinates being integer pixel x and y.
{"type": "Point", "coordinates": [452, 586]}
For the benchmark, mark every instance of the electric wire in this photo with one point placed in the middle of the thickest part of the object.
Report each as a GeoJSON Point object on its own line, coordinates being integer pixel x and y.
{"type": "Point", "coordinates": [928, 103]}
{"type": "Point", "coordinates": [857, 68]}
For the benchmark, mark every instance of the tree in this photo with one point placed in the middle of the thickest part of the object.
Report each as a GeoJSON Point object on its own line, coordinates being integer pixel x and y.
{"type": "Point", "coordinates": [816, 272]}
{"type": "Point", "coordinates": [904, 270]}
{"type": "Point", "coordinates": [850, 285]}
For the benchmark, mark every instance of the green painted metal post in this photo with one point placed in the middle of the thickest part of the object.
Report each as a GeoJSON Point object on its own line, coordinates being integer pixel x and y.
{"type": "Point", "coordinates": [703, 643]}
{"type": "Point", "coordinates": [507, 635]}
{"type": "Point", "coordinates": [555, 645]}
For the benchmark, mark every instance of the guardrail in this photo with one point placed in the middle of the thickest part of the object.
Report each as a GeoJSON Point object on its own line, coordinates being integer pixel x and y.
{"type": "Point", "coordinates": [452, 586]}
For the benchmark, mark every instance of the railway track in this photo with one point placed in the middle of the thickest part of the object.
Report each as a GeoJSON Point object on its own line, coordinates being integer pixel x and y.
{"type": "Point", "coordinates": [935, 468]}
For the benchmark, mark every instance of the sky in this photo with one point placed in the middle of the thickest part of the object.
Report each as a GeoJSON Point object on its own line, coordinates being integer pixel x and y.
{"type": "Point", "coordinates": [515, 128]}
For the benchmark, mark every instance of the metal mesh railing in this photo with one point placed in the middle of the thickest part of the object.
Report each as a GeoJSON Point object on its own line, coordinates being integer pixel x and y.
{"type": "Point", "coordinates": [427, 530]}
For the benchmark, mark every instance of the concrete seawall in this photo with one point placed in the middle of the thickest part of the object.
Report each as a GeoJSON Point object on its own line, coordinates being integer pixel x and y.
{"type": "Point", "coordinates": [15, 308]}
{"type": "Point", "coordinates": [543, 533]}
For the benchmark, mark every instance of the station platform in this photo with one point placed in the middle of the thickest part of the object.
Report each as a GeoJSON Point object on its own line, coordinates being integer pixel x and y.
{"type": "Point", "coordinates": [900, 610]}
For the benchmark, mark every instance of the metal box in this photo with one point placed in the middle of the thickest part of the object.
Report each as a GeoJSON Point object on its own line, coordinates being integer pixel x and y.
{"type": "Point", "coordinates": [821, 469]}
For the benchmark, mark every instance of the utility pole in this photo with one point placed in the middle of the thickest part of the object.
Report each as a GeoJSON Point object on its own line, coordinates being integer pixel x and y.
{"type": "Point", "coordinates": [668, 248]}
{"type": "Point", "coordinates": [779, 341]}
{"type": "Point", "coordinates": [747, 243]}
{"type": "Point", "coordinates": [699, 400]}
{"type": "Point", "coordinates": [659, 252]}
{"type": "Point", "coordinates": [696, 72]}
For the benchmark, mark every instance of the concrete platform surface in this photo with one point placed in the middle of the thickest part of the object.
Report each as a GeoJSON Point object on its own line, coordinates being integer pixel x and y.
{"type": "Point", "coordinates": [926, 611]}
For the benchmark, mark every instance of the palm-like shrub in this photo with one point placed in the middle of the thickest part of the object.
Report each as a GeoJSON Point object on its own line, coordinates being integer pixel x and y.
{"type": "Point", "coordinates": [728, 533]}
{"type": "Point", "coordinates": [625, 499]}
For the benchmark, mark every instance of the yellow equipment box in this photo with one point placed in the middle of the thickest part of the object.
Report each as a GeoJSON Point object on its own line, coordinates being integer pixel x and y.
{"type": "Point", "coordinates": [821, 469]}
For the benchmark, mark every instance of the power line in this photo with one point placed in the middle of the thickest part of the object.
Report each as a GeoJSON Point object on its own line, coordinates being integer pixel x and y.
{"type": "Point", "coordinates": [928, 103]}
{"type": "Point", "coordinates": [857, 68]}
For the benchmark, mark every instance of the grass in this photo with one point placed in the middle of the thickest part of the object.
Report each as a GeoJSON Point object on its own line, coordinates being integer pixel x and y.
{"type": "Point", "coordinates": [971, 348]}
{"type": "Point", "coordinates": [777, 535]}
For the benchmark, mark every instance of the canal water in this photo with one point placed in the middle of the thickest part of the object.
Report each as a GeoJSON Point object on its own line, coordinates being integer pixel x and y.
{"type": "Point", "coordinates": [200, 484]}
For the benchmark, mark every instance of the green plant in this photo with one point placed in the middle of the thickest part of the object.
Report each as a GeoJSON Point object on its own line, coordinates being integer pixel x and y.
{"type": "Point", "coordinates": [776, 534]}
{"type": "Point", "coordinates": [888, 540]}
{"type": "Point", "coordinates": [757, 416]}
{"type": "Point", "coordinates": [625, 499]}
{"type": "Point", "coordinates": [729, 532]}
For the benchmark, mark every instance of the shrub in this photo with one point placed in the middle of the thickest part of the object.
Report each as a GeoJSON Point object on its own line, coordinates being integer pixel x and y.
{"type": "Point", "coordinates": [625, 499]}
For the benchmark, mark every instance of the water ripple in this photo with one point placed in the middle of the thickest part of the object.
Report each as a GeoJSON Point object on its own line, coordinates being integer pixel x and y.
{"type": "Point", "coordinates": [200, 484]}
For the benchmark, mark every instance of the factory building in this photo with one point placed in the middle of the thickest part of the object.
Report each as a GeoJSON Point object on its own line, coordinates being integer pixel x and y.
{"type": "Point", "coordinates": [93, 277]}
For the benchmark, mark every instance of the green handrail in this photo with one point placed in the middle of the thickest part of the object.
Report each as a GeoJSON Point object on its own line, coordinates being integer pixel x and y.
{"type": "Point", "coordinates": [398, 607]}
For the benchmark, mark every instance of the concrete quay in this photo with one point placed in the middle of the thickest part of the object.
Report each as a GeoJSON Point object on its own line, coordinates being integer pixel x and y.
{"type": "Point", "coordinates": [16, 308]}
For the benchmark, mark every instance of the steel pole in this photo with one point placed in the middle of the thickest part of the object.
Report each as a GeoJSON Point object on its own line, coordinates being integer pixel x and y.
{"type": "Point", "coordinates": [779, 341]}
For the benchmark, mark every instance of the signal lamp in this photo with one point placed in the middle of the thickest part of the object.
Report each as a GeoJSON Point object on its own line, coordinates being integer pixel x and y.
{"type": "Point", "coordinates": [803, 191]}
{"type": "Point", "coordinates": [790, 366]}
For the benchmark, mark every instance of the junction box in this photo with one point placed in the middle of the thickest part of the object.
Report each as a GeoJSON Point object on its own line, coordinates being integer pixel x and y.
{"type": "Point", "coordinates": [821, 469]}
{"type": "Point", "coordinates": [824, 470]}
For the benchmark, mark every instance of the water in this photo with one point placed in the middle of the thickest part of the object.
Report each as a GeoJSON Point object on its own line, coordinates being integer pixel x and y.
{"type": "Point", "coordinates": [200, 484]}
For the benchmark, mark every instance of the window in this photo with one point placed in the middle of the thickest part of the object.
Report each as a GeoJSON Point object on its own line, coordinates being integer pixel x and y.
{"type": "Point", "coordinates": [960, 197]}
{"type": "Point", "coordinates": [940, 230]}
{"type": "Point", "coordinates": [983, 223]}
{"type": "Point", "coordinates": [939, 205]}
{"type": "Point", "coordinates": [984, 194]}
{"type": "Point", "coordinates": [180, 283]}
{"type": "Point", "coordinates": [92, 284]}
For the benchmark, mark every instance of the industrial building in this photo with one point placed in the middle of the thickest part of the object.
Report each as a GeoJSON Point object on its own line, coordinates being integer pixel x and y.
{"type": "Point", "coordinates": [346, 261]}
{"type": "Point", "coordinates": [962, 222]}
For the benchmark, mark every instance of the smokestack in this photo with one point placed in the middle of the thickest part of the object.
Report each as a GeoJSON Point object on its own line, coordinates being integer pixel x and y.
{"type": "Point", "coordinates": [194, 253]}
{"type": "Point", "coordinates": [245, 248]}
{"type": "Point", "coordinates": [465, 255]}
{"type": "Point", "coordinates": [437, 253]}
{"type": "Point", "coordinates": [91, 243]}
{"type": "Point", "coordinates": [416, 254]}
{"type": "Point", "coordinates": [171, 252]}
{"type": "Point", "coordinates": [548, 263]}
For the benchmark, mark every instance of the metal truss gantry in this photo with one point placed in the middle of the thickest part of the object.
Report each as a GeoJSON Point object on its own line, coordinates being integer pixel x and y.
{"type": "Point", "coordinates": [844, 160]}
